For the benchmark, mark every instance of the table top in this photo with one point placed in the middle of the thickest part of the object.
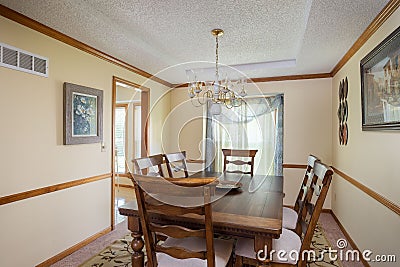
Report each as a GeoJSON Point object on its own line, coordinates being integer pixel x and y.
{"type": "Point", "coordinates": [254, 208]}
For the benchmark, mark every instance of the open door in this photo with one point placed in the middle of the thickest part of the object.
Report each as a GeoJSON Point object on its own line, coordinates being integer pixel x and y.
{"type": "Point", "coordinates": [129, 138]}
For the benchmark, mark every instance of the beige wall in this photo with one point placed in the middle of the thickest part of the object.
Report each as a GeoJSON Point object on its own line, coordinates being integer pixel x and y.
{"type": "Point", "coordinates": [372, 158]}
{"type": "Point", "coordinates": [307, 125]}
{"type": "Point", "coordinates": [33, 156]}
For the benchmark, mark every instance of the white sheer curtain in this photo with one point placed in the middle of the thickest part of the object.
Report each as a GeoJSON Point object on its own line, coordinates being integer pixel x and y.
{"type": "Point", "coordinates": [257, 124]}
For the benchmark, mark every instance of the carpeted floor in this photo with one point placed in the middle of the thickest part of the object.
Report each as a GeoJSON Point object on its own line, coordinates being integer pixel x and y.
{"type": "Point", "coordinates": [92, 249]}
{"type": "Point", "coordinates": [330, 228]}
{"type": "Point", "coordinates": [119, 253]}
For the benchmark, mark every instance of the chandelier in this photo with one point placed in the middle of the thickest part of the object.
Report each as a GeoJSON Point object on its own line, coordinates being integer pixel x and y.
{"type": "Point", "coordinates": [217, 92]}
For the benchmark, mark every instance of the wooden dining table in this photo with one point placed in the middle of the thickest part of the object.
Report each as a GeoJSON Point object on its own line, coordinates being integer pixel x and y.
{"type": "Point", "coordinates": [254, 210]}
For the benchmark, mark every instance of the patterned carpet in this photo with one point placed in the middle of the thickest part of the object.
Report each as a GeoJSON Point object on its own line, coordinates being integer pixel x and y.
{"type": "Point", "coordinates": [118, 254]}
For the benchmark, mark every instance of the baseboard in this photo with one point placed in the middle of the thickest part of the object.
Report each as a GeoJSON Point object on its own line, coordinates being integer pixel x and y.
{"type": "Point", "coordinates": [126, 175]}
{"type": "Point", "coordinates": [74, 248]}
{"type": "Point", "coordinates": [125, 185]}
{"type": "Point", "coordinates": [346, 234]}
{"type": "Point", "coordinates": [349, 239]}
{"type": "Point", "coordinates": [323, 210]}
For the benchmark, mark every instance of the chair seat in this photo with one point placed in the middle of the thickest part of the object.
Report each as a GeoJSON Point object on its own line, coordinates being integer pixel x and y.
{"type": "Point", "coordinates": [288, 241]}
{"type": "Point", "coordinates": [289, 218]}
{"type": "Point", "coordinates": [223, 251]}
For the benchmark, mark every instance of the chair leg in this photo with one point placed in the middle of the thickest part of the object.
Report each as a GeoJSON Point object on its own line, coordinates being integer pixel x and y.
{"type": "Point", "coordinates": [230, 262]}
{"type": "Point", "coordinates": [238, 261]}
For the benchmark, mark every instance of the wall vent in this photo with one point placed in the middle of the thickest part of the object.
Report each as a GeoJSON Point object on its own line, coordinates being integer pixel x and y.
{"type": "Point", "coordinates": [18, 59]}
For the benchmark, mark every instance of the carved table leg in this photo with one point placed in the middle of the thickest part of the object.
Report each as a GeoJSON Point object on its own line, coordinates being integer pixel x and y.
{"type": "Point", "coordinates": [263, 244]}
{"type": "Point", "coordinates": [137, 242]}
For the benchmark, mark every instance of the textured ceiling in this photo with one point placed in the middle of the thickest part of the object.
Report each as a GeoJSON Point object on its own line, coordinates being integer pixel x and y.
{"type": "Point", "coordinates": [166, 38]}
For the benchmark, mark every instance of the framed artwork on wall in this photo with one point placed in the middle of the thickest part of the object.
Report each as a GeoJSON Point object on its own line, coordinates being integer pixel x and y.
{"type": "Point", "coordinates": [83, 114]}
{"type": "Point", "coordinates": [380, 85]}
{"type": "Point", "coordinates": [343, 112]}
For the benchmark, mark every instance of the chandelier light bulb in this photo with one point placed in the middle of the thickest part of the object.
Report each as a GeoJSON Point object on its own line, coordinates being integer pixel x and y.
{"type": "Point", "coordinates": [218, 92]}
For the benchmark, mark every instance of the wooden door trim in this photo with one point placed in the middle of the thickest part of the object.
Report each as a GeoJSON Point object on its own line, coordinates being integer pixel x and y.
{"type": "Point", "coordinates": [145, 103]}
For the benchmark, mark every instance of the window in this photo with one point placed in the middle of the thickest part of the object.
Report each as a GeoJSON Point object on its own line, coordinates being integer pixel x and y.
{"type": "Point", "coordinates": [137, 131]}
{"type": "Point", "coordinates": [120, 137]}
{"type": "Point", "coordinates": [256, 124]}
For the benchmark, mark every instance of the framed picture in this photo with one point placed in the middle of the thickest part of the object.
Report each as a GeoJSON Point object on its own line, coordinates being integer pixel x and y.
{"type": "Point", "coordinates": [380, 85]}
{"type": "Point", "coordinates": [83, 114]}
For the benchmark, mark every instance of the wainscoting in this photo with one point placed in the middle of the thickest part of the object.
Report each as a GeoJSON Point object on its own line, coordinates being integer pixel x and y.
{"type": "Point", "coordinates": [125, 194]}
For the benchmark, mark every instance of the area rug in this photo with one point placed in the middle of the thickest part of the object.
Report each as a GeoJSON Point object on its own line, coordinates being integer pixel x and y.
{"type": "Point", "coordinates": [118, 254]}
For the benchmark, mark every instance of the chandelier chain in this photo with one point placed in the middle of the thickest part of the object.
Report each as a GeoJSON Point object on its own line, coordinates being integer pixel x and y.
{"type": "Point", "coordinates": [216, 58]}
{"type": "Point", "coordinates": [216, 93]}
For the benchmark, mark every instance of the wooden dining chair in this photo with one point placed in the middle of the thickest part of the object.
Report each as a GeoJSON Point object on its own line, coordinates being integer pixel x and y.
{"type": "Point", "coordinates": [176, 162]}
{"type": "Point", "coordinates": [241, 154]}
{"type": "Point", "coordinates": [142, 165]}
{"type": "Point", "coordinates": [290, 215]}
{"type": "Point", "coordinates": [184, 246]}
{"type": "Point", "coordinates": [290, 240]}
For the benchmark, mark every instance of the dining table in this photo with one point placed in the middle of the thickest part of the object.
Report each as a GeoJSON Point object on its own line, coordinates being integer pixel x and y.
{"type": "Point", "coordinates": [252, 209]}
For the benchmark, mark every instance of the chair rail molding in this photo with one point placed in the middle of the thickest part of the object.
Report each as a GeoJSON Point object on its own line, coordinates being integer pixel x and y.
{"type": "Point", "coordinates": [378, 197]}
{"type": "Point", "coordinates": [52, 188]}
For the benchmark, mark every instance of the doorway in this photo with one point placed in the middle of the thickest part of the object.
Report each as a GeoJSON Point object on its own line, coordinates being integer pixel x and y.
{"type": "Point", "coordinates": [129, 138]}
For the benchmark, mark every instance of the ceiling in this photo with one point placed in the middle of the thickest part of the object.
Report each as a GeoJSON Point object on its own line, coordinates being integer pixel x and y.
{"type": "Point", "coordinates": [166, 38]}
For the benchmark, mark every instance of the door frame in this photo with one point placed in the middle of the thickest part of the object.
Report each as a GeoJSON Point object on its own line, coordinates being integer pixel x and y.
{"type": "Point", "coordinates": [145, 112]}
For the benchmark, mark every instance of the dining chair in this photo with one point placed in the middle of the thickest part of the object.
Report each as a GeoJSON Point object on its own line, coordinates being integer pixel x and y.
{"type": "Point", "coordinates": [176, 162]}
{"type": "Point", "coordinates": [142, 165]}
{"type": "Point", "coordinates": [241, 153]}
{"type": "Point", "coordinates": [183, 246]}
{"type": "Point", "coordinates": [289, 240]}
{"type": "Point", "coordinates": [290, 215]}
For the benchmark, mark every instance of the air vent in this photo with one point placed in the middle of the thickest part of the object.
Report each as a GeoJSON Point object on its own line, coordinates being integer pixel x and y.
{"type": "Point", "coordinates": [10, 57]}
{"type": "Point", "coordinates": [18, 59]}
{"type": "Point", "coordinates": [25, 61]}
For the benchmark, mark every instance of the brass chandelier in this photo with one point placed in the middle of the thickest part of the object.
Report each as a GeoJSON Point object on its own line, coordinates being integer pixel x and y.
{"type": "Point", "coordinates": [218, 91]}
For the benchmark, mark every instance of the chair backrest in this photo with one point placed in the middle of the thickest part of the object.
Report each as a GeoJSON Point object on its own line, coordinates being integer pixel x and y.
{"type": "Point", "coordinates": [141, 165]}
{"type": "Point", "coordinates": [242, 154]}
{"type": "Point", "coordinates": [310, 214]}
{"type": "Point", "coordinates": [176, 162]}
{"type": "Point", "coordinates": [146, 187]}
{"type": "Point", "coordinates": [298, 205]}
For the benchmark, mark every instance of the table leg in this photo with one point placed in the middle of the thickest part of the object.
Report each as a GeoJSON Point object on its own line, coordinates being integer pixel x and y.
{"type": "Point", "coordinates": [137, 242]}
{"type": "Point", "coordinates": [263, 247]}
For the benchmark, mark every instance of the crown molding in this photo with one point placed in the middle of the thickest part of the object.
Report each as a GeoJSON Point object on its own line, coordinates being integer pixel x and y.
{"type": "Point", "coordinates": [386, 12]}
{"type": "Point", "coordinates": [37, 26]}
{"type": "Point", "coordinates": [277, 78]}
{"type": "Point", "coordinates": [292, 77]}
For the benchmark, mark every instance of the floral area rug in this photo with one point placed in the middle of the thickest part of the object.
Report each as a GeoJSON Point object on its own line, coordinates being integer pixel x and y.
{"type": "Point", "coordinates": [118, 254]}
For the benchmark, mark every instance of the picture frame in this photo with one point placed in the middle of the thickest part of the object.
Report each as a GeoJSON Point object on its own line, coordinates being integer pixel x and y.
{"type": "Point", "coordinates": [83, 114]}
{"type": "Point", "coordinates": [380, 85]}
